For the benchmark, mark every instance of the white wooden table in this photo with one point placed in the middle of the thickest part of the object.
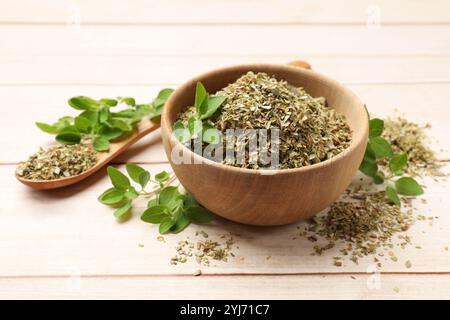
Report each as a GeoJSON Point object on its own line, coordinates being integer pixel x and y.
{"type": "Point", "coordinates": [64, 244]}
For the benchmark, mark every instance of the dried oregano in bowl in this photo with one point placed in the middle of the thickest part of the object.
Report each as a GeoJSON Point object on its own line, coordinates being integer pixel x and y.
{"type": "Point", "coordinates": [309, 130]}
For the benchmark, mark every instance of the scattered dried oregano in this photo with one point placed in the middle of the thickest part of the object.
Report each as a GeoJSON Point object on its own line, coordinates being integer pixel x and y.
{"type": "Point", "coordinates": [363, 223]}
{"type": "Point", "coordinates": [366, 222]}
{"type": "Point", "coordinates": [58, 161]}
{"type": "Point", "coordinates": [204, 251]}
{"type": "Point", "coordinates": [409, 137]}
{"type": "Point", "coordinates": [309, 131]}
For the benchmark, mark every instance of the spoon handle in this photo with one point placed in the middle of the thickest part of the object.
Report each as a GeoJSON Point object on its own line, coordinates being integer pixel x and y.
{"type": "Point", "coordinates": [300, 64]}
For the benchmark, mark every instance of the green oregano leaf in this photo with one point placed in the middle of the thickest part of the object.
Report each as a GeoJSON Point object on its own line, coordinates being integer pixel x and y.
{"type": "Point", "coordinates": [165, 225]}
{"type": "Point", "coordinates": [69, 129]}
{"type": "Point", "coordinates": [122, 211]}
{"type": "Point", "coordinates": [121, 124]}
{"type": "Point", "coordinates": [200, 96]}
{"type": "Point", "coordinates": [178, 125]}
{"type": "Point", "coordinates": [144, 178]}
{"type": "Point", "coordinates": [169, 197]}
{"type": "Point", "coordinates": [181, 133]}
{"type": "Point", "coordinates": [369, 165]}
{"type": "Point", "coordinates": [118, 179]}
{"type": "Point", "coordinates": [109, 102]}
{"type": "Point", "coordinates": [180, 224]}
{"type": "Point", "coordinates": [392, 195]}
{"type": "Point", "coordinates": [155, 214]}
{"type": "Point", "coordinates": [110, 133]}
{"type": "Point", "coordinates": [64, 122]}
{"type": "Point", "coordinates": [92, 116]}
{"type": "Point", "coordinates": [131, 193]}
{"type": "Point", "coordinates": [376, 127]}
{"type": "Point", "coordinates": [199, 215]}
{"type": "Point", "coordinates": [152, 203]}
{"type": "Point", "coordinates": [195, 126]}
{"type": "Point", "coordinates": [210, 134]}
{"type": "Point", "coordinates": [111, 196]}
{"type": "Point", "coordinates": [369, 169]}
{"type": "Point", "coordinates": [48, 128]}
{"type": "Point", "coordinates": [127, 100]}
{"type": "Point", "coordinates": [68, 137]}
{"type": "Point", "coordinates": [408, 187]}
{"type": "Point", "coordinates": [162, 176]}
{"type": "Point", "coordinates": [162, 97]}
{"type": "Point", "coordinates": [83, 103]}
{"type": "Point", "coordinates": [213, 104]}
{"type": "Point", "coordinates": [82, 124]}
{"type": "Point", "coordinates": [189, 200]}
{"type": "Point", "coordinates": [378, 178]}
{"type": "Point", "coordinates": [134, 171]}
{"type": "Point", "coordinates": [380, 147]}
{"type": "Point", "coordinates": [103, 115]}
{"type": "Point", "coordinates": [101, 144]}
{"type": "Point", "coordinates": [398, 163]}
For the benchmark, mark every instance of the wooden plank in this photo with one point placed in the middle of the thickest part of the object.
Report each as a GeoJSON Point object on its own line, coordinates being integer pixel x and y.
{"type": "Point", "coordinates": [144, 70]}
{"type": "Point", "coordinates": [47, 103]}
{"type": "Point", "coordinates": [213, 12]}
{"type": "Point", "coordinates": [223, 40]}
{"type": "Point", "coordinates": [235, 287]}
{"type": "Point", "coordinates": [53, 233]}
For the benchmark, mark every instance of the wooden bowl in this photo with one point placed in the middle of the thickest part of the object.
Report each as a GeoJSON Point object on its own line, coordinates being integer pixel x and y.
{"type": "Point", "coordinates": [285, 196]}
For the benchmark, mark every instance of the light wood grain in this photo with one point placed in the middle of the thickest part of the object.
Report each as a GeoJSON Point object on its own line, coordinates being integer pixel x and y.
{"type": "Point", "coordinates": [223, 40]}
{"type": "Point", "coordinates": [221, 11]}
{"type": "Point", "coordinates": [137, 47]}
{"type": "Point", "coordinates": [53, 233]}
{"type": "Point", "coordinates": [238, 287]}
{"type": "Point", "coordinates": [143, 70]}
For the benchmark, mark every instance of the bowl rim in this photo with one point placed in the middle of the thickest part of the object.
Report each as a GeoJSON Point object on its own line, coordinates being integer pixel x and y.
{"type": "Point", "coordinates": [166, 126]}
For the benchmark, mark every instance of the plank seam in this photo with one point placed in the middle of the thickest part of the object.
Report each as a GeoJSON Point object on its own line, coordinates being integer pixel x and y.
{"type": "Point", "coordinates": [348, 55]}
{"type": "Point", "coordinates": [218, 275]}
{"type": "Point", "coordinates": [140, 84]}
{"type": "Point", "coordinates": [222, 24]}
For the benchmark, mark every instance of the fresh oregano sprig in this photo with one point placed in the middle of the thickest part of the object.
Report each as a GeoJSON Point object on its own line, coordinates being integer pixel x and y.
{"type": "Point", "coordinates": [167, 207]}
{"type": "Point", "coordinates": [198, 126]}
{"type": "Point", "coordinates": [99, 124]}
{"type": "Point", "coordinates": [379, 149]}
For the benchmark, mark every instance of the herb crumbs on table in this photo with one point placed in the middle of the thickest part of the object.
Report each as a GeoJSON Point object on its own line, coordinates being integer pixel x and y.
{"type": "Point", "coordinates": [197, 273]}
{"type": "Point", "coordinates": [204, 251]}
{"type": "Point", "coordinates": [409, 137]}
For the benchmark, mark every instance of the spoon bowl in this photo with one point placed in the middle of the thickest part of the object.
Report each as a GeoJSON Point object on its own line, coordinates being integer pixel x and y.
{"type": "Point", "coordinates": [116, 148]}
{"type": "Point", "coordinates": [267, 197]}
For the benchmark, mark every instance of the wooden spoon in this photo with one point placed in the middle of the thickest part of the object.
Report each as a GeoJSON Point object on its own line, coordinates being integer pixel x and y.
{"type": "Point", "coordinates": [116, 148]}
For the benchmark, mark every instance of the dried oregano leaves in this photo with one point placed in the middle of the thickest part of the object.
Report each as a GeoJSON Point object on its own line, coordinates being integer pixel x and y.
{"type": "Point", "coordinates": [58, 161]}
{"type": "Point", "coordinates": [204, 251]}
{"type": "Point", "coordinates": [310, 132]}
{"type": "Point", "coordinates": [364, 222]}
